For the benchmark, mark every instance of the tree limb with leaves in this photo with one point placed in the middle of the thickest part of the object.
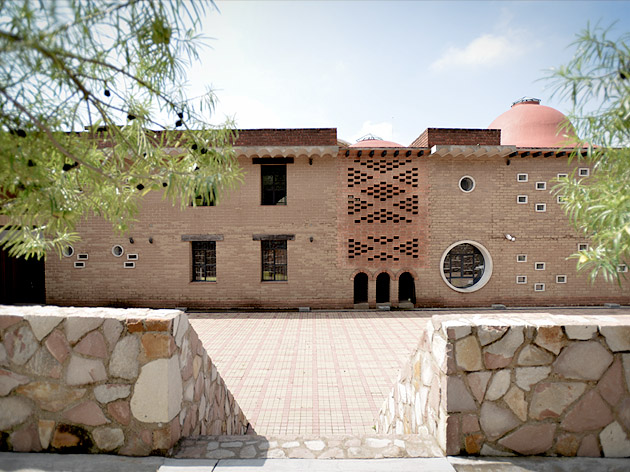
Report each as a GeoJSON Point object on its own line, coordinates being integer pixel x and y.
{"type": "Point", "coordinates": [93, 115]}
{"type": "Point", "coordinates": [597, 83]}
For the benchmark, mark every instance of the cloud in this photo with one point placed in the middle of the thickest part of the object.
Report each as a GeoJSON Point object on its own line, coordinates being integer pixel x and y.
{"type": "Point", "coordinates": [383, 130]}
{"type": "Point", "coordinates": [487, 49]}
{"type": "Point", "coordinates": [248, 112]}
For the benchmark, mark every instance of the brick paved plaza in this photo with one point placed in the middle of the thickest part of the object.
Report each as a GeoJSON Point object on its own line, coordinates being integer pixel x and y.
{"type": "Point", "coordinates": [310, 373]}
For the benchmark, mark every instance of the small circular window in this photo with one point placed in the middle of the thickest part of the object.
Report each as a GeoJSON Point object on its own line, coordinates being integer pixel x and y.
{"type": "Point", "coordinates": [67, 251]}
{"type": "Point", "coordinates": [467, 184]}
{"type": "Point", "coordinates": [466, 266]}
{"type": "Point", "coordinates": [118, 250]}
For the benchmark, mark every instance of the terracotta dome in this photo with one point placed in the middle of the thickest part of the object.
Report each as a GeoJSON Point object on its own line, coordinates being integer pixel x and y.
{"type": "Point", "coordinates": [530, 124]}
{"type": "Point", "coordinates": [374, 142]}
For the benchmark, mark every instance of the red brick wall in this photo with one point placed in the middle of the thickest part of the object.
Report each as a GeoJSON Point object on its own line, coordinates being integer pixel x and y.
{"type": "Point", "coordinates": [287, 137]}
{"type": "Point", "coordinates": [383, 214]}
{"type": "Point", "coordinates": [458, 137]}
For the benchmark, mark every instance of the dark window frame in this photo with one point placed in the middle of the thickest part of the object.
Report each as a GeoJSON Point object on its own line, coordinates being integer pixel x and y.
{"type": "Point", "coordinates": [202, 201]}
{"type": "Point", "coordinates": [273, 184]}
{"type": "Point", "coordinates": [204, 261]}
{"type": "Point", "coordinates": [274, 260]}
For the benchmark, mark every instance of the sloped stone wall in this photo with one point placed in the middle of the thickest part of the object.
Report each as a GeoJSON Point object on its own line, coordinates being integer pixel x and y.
{"type": "Point", "coordinates": [131, 382]}
{"type": "Point", "coordinates": [531, 384]}
{"type": "Point", "coordinates": [417, 400]}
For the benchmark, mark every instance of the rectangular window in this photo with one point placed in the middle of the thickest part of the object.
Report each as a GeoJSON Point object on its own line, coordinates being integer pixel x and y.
{"type": "Point", "coordinates": [539, 287]}
{"type": "Point", "coordinates": [582, 246]}
{"type": "Point", "coordinates": [521, 258]}
{"type": "Point", "coordinates": [541, 185]}
{"type": "Point", "coordinates": [539, 266]}
{"type": "Point", "coordinates": [129, 265]}
{"type": "Point", "coordinates": [561, 279]}
{"type": "Point", "coordinates": [204, 255]}
{"type": "Point", "coordinates": [274, 260]}
{"type": "Point", "coordinates": [583, 171]}
{"type": "Point", "coordinates": [521, 199]}
{"type": "Point", "coordinates": [82, 257]}
{"type": "Point", "coordinates": [203, 201]}
{"type": "Point", "coordinates": [562, 176]}
{"type": "Point", "coordinates": [560, 199]}
{"type": "Point", "coordinates": [79, 265]}
{"type": "Point", "coordinates": [274, 184]}
{"type": "Point", "coordinates": [620, 268]}
{"type": "Point", "coordinates": [521, 279]}
{"type": "Point", "coordinates": [541, 207]}
{"type": "Point", "coordinates": [132, 257]}
{"type": "Point", "coordinates": [521, 177]}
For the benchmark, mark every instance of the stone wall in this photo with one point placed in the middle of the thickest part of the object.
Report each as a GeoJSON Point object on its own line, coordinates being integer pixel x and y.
{"type": "Point", "coordinates": [416, 401]}
{"type": "Point", "coordinates": [534, 384]}
{"type": "Point", "coordinates": [130, 382]}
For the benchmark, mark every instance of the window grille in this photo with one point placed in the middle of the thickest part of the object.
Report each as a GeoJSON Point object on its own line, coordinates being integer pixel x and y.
{"type": "Point", "coordinates": [204, 261]}
{"type": "Point", "coordinates": [274, 260]}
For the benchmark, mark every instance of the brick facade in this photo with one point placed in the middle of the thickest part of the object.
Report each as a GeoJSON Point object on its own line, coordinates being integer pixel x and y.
{"type": "Point", "coordinates": [458, 137]}
{"type": "Point", "coordinates": [394, 212]}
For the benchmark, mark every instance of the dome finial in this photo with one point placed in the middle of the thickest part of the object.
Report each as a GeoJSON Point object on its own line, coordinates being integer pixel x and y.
{"type": "Point", "coordinates": [369, 137]}
{"type": "Point", "coordinates": [532, 100]}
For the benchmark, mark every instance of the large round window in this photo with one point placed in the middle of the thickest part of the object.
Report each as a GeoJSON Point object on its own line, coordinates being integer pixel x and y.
{"type": "Point", "coordinates": [466, 266]}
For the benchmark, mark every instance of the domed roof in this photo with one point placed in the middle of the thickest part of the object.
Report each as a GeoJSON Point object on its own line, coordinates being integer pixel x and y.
{"type": "Point", "coordinates": [530, 124]}
{"type": "Point", "coordinates": [374, 142]}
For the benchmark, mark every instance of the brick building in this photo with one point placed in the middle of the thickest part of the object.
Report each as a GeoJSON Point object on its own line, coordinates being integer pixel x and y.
{"type": "Point", "coordinates": [461, 217]}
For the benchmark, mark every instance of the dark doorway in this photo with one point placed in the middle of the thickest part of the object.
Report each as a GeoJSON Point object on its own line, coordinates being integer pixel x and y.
{"type": "Point", "coordinates": [406, 288]}
{"type": "Point", "coordinates": [360, 288]}
{"type": "Point", "coordinates": [382, 288]}
{"type": "Point", "coordinates": [22, 280]}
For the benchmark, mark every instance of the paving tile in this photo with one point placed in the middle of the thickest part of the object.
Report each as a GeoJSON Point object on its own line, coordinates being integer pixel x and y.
{"type": "Point", "coordinates": [317, 373]}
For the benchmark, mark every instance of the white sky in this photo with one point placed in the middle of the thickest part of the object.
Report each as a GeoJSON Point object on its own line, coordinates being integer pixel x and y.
{"type": "Point", "coordinates": [392, 68]}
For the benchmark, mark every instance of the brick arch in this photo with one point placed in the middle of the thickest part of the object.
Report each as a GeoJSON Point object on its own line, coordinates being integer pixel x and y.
{"type": "Point", "coordinates": [392, 276]}
{"type": "Point", "coordinates": [403, 270]}
{"type": "Point", "coordinates": [369, 273]}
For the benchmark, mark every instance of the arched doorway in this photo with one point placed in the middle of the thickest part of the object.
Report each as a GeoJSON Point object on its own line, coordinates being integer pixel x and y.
{"type": "Point", "coordinates": [360, 288]}
{"type": "Point", "coordinates": [382, 288]}
{"type": "Point", "coordinates": [406, 288]}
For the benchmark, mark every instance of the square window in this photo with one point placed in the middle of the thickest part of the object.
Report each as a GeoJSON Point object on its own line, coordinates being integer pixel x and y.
{"type": "Point", "coordinates": [521, 279]}
{"type": "Point", "coordinates": [521, 258]}
{"type": "Point", "coordinates": [582, 246]}
{"type": "Point", "coordinates": [584, 171]}
{"type": "Point", "coordinates": [204, 256]}
{"type": "Point", "coordinates": [541, 207]}
{"type": "Point", "coordinates": [539, 266]}
{"type": "Point", "coordinates": [560, 199]}
{"type": "Point", "coordinates": [541, 185]}
{"type": "Point", "coordinates": [561, 279]}
{"type": "Point", "coordinates": [521, 177]}
{"type": "Point", "coordinates": [274, 260]}
{"type": "Point", "coordinates": [273, 184]}
{"type": "Point", "coordinates": [562, 176]}
{"type": "Point", "coordinates": [622, 268]}
{"type": "Point", "coordinates": [539, 287]}
{"type": "Point", "coordinates": [521, 199]}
